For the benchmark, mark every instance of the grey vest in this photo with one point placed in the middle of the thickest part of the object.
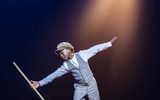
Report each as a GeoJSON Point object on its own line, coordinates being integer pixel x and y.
{"type": "Point", "coordinates": [83, 74]}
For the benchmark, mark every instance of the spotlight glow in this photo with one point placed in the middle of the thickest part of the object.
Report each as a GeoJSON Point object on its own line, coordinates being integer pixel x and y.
{"type": "Point", "coordinates": [108, 18]}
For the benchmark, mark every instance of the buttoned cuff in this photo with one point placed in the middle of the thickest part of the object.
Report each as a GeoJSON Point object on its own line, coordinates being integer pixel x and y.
{"type": "Point", "coordinates": [109, 44]}
{"type": "Point", "coordinates": [41, 83]}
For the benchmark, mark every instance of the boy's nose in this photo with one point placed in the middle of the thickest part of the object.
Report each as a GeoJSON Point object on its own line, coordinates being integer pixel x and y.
{"type": "Point", "coordinates": [61, 55]}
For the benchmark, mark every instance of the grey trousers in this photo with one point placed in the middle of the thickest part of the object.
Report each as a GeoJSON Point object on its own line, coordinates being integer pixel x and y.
{"type": "Point", "coordinates": [90, 91]}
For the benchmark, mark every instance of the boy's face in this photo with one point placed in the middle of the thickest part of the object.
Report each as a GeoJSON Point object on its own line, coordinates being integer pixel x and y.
{"type": "Point", "coordinates": [65, 54]}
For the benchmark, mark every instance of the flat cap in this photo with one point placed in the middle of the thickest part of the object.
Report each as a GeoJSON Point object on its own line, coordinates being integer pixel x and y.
{"type": "Point", "coordinates": [63, 45]}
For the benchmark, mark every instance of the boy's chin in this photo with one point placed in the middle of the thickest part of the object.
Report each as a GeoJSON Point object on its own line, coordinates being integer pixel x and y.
{"type": "Point", "coordinates": [65, 59]}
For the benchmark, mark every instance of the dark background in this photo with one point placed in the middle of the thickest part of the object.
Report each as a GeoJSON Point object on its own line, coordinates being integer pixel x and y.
{"type": "Point", "coordinates": [29, 33]}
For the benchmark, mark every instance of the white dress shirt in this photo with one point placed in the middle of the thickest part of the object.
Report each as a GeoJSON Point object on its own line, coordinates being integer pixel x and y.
{"type": "Point", "coordinates": [85, 55]}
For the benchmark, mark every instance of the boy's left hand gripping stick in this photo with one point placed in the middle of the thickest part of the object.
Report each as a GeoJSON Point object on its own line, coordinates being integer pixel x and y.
{"type": "Point", "coordinates": [40, 96]}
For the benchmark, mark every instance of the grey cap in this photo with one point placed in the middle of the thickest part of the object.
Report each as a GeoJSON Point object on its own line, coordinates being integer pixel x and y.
{"type": "Point", "coordinates": [63, 45]}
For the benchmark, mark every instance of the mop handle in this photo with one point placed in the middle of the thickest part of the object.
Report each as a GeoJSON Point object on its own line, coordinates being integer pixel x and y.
{"type": "Point", "coordinates": [28, 81]}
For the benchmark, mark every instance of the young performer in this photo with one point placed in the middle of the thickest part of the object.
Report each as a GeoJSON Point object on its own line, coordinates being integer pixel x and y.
{"type": "Point", "coordinates": [77, 64]}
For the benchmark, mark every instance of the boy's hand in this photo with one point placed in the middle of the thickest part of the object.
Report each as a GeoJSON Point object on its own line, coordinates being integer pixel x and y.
{"type": "Point", "coordinates": [115, 38]}
{"type": "Point", "coordinates": [35, 84]}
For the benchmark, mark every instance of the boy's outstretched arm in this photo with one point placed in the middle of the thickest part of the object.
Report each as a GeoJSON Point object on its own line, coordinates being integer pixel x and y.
{"type": "Point", "coordinates": [88, 53]}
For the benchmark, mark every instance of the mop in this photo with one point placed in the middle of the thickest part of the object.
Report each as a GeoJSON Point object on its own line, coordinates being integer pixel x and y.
{"type": "Point", "coordinates": [36, 91]}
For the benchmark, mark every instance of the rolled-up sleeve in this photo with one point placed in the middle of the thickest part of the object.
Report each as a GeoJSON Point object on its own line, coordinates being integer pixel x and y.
{"type": "Point", "coordinates": [88, 53]}
{"type": "Point", "coordinates": [58, 73]}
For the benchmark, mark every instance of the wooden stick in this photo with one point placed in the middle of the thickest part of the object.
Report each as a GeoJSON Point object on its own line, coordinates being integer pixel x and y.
{"type": "Point", "coordinates": [28, 81]}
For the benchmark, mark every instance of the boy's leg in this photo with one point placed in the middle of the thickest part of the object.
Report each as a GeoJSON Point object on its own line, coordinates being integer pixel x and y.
{"type": "Point", "coordinates": [93, 92]}
{"type": "Point", "coordinates": [80, 92]}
